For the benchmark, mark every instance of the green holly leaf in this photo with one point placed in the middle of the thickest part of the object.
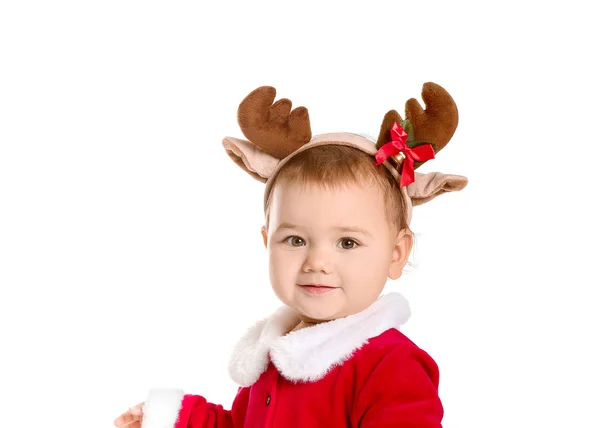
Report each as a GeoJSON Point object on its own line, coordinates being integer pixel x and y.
{"type": "Point", "coordinates": [407, 126]}
{"type": "Point", "coordinates": [414, 144]}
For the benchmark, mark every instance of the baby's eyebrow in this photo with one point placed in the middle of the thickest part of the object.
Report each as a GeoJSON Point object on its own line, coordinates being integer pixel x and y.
{"type": "Point", "coordinates": [338, 228]}
{"type": "Point", "coordinates": [353, 229]}
{"type": "Point", "coordinates": [286, 226]}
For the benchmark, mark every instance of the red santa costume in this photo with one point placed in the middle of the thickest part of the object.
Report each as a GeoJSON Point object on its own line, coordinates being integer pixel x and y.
{"type": "Point", "coordinates": [358, 371]}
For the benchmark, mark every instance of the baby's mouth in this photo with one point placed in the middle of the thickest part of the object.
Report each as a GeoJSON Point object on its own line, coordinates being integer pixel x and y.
{"type": "Point", "coordinates": [316, 288]}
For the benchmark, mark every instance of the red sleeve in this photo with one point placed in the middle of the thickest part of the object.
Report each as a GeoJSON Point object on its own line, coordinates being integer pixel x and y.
{"type": "Point", "coordinates": [401, 391]}
{"type": "Point", "coordinates": [174, 409]}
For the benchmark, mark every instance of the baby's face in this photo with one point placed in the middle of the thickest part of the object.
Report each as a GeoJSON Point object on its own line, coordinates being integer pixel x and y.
{"type": "Point", "coordinates": [337, 238]}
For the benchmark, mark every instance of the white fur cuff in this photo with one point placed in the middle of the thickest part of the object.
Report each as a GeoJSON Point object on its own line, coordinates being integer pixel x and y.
{"type": "Point", "coordinates": [161, 408]}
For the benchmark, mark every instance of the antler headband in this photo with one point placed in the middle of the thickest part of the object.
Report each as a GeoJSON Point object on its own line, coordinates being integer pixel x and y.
{"type": "Point", "coordinates": [276, 133]}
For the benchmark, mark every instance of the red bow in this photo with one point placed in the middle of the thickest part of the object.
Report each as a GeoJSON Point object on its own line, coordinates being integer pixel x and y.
{"type": "Point", "coordinates": [398, 144]}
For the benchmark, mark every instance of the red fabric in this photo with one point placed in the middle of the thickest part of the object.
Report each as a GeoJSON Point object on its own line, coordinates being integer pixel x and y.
{"type": "Point", "coordinates": [389, 382]}
{"type": "Point", "coordinates": [398, 144]}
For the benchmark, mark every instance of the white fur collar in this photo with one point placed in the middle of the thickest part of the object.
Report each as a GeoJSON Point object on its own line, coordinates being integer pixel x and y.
{"type": "Point", "coordinates": [309, 353]}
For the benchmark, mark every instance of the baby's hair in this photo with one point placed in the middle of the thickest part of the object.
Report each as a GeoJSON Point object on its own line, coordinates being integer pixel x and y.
{"type": "Point", "coordinates": [334, 166]}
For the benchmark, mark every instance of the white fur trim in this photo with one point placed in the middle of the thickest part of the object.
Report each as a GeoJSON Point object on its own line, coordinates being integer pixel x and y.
{"type": "Point", "coordinates": [309, 353]}
{"type": "Point", "coordinates": [161, 408]}
{"type": "Point", "coordinates": [250, 356]}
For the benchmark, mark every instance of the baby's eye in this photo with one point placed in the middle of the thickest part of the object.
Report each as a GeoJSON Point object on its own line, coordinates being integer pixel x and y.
{"type": "Point", "coordinates": [294, 240]}
{"type": "Point", "coordinates": [348, 243]}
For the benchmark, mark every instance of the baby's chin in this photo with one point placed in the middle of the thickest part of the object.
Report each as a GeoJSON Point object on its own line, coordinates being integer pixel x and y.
{"type": "Point", "coordinates": [320, 310]}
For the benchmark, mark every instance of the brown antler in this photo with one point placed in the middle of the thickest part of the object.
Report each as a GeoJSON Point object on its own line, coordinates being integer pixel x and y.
{"type": "Point", "coordinates": [436, 124]}
{"type": "Point", "coordinates": [271, 126]}
{"type": "Point", "coordinates": [388, 121]}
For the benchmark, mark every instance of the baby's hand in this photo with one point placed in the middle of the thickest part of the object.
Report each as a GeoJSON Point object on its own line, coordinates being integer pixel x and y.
{"type": "Point", "coordinates": [131, 418]}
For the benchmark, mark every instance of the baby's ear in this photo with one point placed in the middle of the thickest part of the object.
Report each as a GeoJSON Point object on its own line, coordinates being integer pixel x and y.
{"type": "Point", "coordinates": [265, 235]}
{"type": "Point", "coordinates": [428, 186]}
{"type": "Point", "coordinates": [251, 158]}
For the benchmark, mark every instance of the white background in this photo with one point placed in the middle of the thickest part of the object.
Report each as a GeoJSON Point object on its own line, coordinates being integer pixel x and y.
{"type": "Point", "coordinates": [130, 247]}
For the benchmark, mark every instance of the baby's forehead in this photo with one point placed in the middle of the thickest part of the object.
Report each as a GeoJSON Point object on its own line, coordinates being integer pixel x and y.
{"type": "Point", "coordinates": [356, 192]}
{"type": "Point", "coordinates": [350, 200]}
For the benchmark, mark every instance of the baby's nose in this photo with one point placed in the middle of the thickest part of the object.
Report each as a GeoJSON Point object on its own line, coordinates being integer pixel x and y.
{"type": "Point", "coordinates": [317, 260]}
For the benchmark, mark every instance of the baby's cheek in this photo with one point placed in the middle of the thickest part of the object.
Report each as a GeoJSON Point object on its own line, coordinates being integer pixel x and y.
{"type": "Point", "coordinates": [282, 273]}
{"type": "Point", "coordinates": [371, 268]}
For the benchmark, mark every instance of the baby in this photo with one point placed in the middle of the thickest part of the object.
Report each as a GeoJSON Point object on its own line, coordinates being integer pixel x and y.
{"type": "Point", "coordinates": [337, 214]}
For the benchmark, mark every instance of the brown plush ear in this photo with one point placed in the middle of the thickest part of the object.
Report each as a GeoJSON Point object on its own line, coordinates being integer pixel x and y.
{"type": "Point", "coordinates": [251, 158]}
{"type": "Point", "coordinates": [428, 186]}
